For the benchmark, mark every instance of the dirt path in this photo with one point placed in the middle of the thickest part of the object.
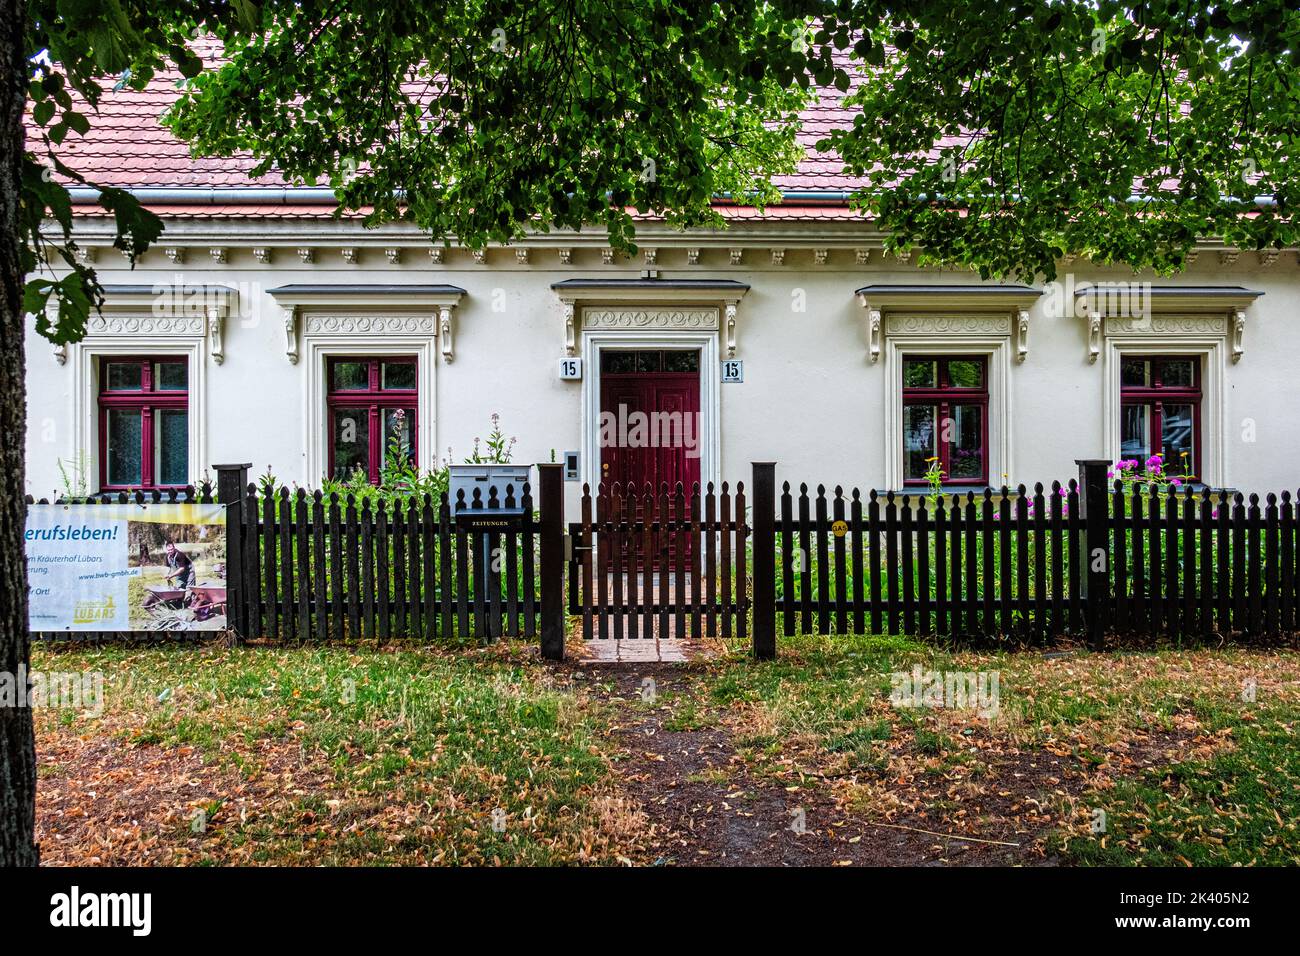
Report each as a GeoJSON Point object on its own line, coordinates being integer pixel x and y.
{"type": "Point", "coordinates": [708, 806]}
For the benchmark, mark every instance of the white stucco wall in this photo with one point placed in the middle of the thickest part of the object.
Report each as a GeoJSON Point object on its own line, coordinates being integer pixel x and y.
{"type": "Point", "coordinates": [812, 400]}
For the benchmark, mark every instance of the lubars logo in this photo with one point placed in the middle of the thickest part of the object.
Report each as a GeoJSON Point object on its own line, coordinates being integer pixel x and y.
{"type": "Point", "coordinates": [92, 612]}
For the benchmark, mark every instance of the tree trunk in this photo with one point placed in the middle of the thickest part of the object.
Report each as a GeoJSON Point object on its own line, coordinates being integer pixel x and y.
{"type": "Point", "coordinates": [17, 743]}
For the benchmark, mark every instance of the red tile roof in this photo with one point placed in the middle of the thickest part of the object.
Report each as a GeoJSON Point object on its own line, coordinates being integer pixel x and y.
{"type": "Point", "coordinates": [128, 147]}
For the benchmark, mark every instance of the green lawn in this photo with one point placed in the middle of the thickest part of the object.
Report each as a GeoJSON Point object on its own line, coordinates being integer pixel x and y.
{"type": "Point", "coordinates": [377, 756]}
{"type": "Point", "coordinates": [1184, 768]}
{"type": "Point", "coordinates": [325, 756]}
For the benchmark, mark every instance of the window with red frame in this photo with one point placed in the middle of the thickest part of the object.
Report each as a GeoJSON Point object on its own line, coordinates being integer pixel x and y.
{"type": "Point", "coordinates": [945, 418]}
{"type": "Point", "coordinates": [144, 422]}
{"type": "Point", "coordinates": [372, 404]}
{"type": "Point", "coordinates": [1160, 411]}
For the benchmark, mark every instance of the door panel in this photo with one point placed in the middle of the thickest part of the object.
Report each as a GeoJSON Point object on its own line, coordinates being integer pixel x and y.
{"type": "Point", "coordinates": [656, 439]}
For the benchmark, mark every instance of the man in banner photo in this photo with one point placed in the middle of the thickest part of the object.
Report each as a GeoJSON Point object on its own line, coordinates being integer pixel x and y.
{"type": "Point", "coordinates": [152, 567]}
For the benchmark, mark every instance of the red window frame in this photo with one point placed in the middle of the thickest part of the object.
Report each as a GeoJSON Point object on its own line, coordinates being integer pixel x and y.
{"type": "Point", "coordinates": [944, 395]}
{"type": "Point", "coordinates": [373, 398]}
{"type": "Point", "coordinates": [146, 399]}
{"type": "Point", "coordinates": [1154, 397]}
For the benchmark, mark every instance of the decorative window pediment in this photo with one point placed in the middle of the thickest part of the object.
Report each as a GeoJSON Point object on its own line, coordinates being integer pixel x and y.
{"type": "Point", "coordinates": [907, 323]}
{"type": "Point", "coordinates": [363, 311]}
{"type": "Point", "coordinates": [691, 305]}
{"type": "Point", "coordinates": [956, 311]}
{"type": "Point", "coordinates": [183, 313]}
{"type": "Point", "coordinates": [1134, 310]}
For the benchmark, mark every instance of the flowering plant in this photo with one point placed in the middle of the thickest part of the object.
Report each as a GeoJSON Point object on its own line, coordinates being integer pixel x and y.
{"type": "Point", "coordinates": [499, 448]}
{"type": "Point", "coordinates": [1151, 475]}
{"type": "Point", "coordinates": [934, 475]}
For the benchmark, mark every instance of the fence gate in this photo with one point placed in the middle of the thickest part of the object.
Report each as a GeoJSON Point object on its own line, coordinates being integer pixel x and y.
{"type": "Point", "coordinates": [666, 563]}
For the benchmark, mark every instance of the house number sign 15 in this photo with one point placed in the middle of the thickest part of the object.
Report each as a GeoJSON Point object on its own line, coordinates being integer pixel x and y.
{"type": "Point", "coordinates": [570, 368]}
{"type": "Point", "coordinates": [733, 370]}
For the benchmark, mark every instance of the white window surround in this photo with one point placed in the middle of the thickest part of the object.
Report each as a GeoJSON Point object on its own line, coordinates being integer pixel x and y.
{"type": "Point", "coordinates": [1140, 308]}
{"type": "Point", "coordinates": [1207, 323]}
{"type": "Point", "coordinates": [989, 321]}
{"type": "Point", "coordinates": [367, 320]}
{"type": "Point", "coordinates": [141, 320]}
{"type": "Point", "coordinates": [996, 350]}
{"type": "Point", "coordinates": [316, 435]}
{"type": "Point", "coordinates": [1211, 352]}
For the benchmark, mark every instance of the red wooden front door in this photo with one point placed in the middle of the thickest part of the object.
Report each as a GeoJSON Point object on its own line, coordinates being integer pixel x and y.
{"type": "Point", "coordinates": [650, 422]}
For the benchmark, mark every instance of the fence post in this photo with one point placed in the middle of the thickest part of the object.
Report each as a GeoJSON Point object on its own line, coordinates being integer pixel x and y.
{"type": "Point", "coordinates": [1097, 557]}
{"type": "Point", "coordinates": [232, 480]}
{"type": "Point", "coordinates": [764, 578]}
{"type": "Point", "coordinates": [550, 494]}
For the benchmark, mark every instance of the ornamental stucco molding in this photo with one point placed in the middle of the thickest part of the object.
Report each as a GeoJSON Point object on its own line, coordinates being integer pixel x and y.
{"type": "Point", "coordinates": [1165, 325]}
{"type": "Point", "coordinates": [146, 325]}
{"type": "Point", "coordinates": [950, 324]}
{"type": "Point", "coordinates": [696, 319]}
{"type": "Point", "coordinates": [318, 324]}
{"type": "Point", "coordinates": [445, 333]}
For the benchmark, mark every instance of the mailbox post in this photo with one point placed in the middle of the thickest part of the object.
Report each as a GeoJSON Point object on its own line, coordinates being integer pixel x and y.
{"type": "Point", "coordinates": [477, 495]}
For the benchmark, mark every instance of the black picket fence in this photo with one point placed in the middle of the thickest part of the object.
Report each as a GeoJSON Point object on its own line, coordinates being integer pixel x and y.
{"type": "Point", "coordinates": [307, 567]}
{"type": "Point", "coordinates": [1022, 566]}
{"type": "Point", "coordinates": [661, 562]}
{"type": "Point", "coordinates": [332, 569]}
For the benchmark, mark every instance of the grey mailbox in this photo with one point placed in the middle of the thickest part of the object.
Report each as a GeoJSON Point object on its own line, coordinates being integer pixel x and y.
{"type": "Point", "coordinates": [484, 478]}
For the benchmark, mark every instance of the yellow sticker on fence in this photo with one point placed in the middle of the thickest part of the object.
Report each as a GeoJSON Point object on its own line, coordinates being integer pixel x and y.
{"type": "Point", "coordinates": [839, 528]}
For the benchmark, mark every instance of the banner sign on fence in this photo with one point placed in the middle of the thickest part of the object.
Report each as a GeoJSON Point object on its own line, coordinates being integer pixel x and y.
{"type": "Point", "coordinates": [126, 567]}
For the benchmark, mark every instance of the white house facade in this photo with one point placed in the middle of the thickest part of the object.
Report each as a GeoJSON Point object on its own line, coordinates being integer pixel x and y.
{"type": "Point", "coordinates": [260, 329]}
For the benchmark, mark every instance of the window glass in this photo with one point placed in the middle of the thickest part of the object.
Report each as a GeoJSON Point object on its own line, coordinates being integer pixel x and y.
{"type": "Point", "coordinates": [966, 373]}
{"type": "Point", "coordinates": [350, 376]}
{"type": "Point", "coordinates": [397, 432]}
{"type": "Point", "coordinates": [918, 439]}
{"type": "Point", "coordinates": [123, 376]}
{"type": "Point", "coordinates": [679, 360]}
{"type": "Point", "coordinates": [1178, 373]}
{"type": "Point", "coordinates": [617, 363]}
{"type": "Point", "coordinates": [398, 375]}
{"type": "Point", "coordinates": [1135, 440]}
{"type": "Point", "coordinates": [967, 458]}
{"type": "Point", "coordinates": [125, 442]}
{"type": "Point", "coordinates": [649, 361]}
{"type": "Point", "coordinates": [171, 376]}
{"type": "Point", "coordinates": [1177, 439]}
{"type": "Point", "coordinates": [351, 441]}
{"type": "Point", "coordinates": [919, 373]}
{"type": "Point", "coordinates": [171, 446]}
{"type": "Point", "coordinates": [1135, 372]}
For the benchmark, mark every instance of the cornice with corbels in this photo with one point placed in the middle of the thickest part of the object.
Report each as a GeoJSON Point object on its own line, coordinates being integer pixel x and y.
{"type": "Point", "coordinates": [656, 252]}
